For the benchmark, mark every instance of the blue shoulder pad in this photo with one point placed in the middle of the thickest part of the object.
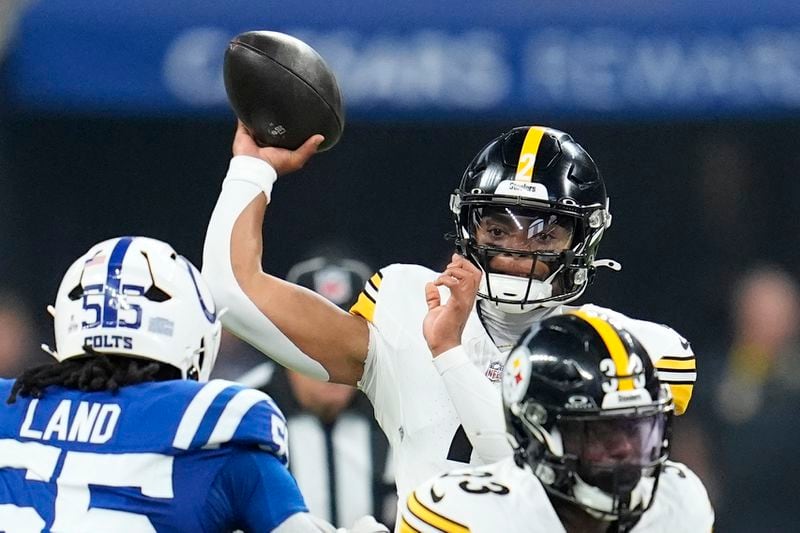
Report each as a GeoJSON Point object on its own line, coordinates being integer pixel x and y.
{"type": "Point", "coordinates": [223, 412]}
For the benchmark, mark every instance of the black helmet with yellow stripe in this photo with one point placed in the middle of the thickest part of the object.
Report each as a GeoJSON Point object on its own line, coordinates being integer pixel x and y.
{"type": "Point", "coordinates": [588, 414]}
{"type": "Point", "coordinates": [530, 211]}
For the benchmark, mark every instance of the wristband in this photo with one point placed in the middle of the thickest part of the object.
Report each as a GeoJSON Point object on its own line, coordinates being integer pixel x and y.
{"type": "Point", "coordinates": [449, 359]}
{"type": "Point", "coordinates": [254, 171]}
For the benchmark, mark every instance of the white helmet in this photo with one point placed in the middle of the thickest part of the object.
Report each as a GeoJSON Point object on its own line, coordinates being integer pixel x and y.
{"type": "Point", "coordinates": [136, 297]}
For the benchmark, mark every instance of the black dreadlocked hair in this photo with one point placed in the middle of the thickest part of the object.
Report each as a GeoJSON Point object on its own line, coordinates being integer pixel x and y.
{"type": "Point", "coordinates": [93, 373]}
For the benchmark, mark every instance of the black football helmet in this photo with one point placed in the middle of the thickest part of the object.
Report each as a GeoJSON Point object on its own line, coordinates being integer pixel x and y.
{"type": "Point", "coordinates": [536, 194]}
{"type": "Point", "coordinates": [588, 414]}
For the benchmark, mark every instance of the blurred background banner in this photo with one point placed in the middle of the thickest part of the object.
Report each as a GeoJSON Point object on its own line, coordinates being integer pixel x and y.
{"type": "Point", "coordinates": [407, 60]}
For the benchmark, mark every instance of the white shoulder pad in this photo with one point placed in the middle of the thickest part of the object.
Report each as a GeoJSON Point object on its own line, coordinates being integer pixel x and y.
{"type": "Point", "coordinates": [438, 505]}
{"type": "Point", "coordinates": [659, 340]}
{"type": "Point", "coordinates": [394, 293]}
{"type": "Point", "coordinates": [681, 503]}
{"type": "Point", "coordinates": [393, 303]}
{"type": "Point", "coordinates": [671, 354]}
{"type": "Point", "coordinates": [497, 497]}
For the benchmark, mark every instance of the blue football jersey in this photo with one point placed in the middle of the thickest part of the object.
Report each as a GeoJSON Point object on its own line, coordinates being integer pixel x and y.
{"type": "Point", "coordinates": [163, 456]}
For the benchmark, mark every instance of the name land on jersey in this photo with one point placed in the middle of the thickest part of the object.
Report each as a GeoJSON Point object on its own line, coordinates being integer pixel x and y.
{"type": "Point", "coordinates": [90, 422]}
{"type": "Point", "coordinates": [157, 456]}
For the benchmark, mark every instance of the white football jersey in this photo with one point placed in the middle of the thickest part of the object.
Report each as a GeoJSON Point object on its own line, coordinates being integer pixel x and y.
{"type": "Point", "coordinates": [505, 497]}
{"type": "Point", "coordinates": [410, 399]}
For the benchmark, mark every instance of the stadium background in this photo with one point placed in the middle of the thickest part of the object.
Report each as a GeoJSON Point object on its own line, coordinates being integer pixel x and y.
{"type": "Point", "coordinates": [114, 121]}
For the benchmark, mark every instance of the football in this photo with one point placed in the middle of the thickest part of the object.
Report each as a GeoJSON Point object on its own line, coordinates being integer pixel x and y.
{"type": "Point", "coordinates": [282, 90]}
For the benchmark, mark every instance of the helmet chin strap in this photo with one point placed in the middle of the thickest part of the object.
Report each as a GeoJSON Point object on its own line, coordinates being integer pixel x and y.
{"type": "Point", "coordinates": [518, 288]}
{"type": "Point", "coordinates": [514, 287]}
{"type": "Point", "coordinates": [46, 347]}
{"type": "Point", "coordinates": [524, 289]}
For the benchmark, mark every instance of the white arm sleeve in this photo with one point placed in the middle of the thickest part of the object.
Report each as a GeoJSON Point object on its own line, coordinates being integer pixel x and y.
{"type": "Point", "coordinates": [304, 523]}
{"type": "Point", "coordinates": [247, 178]}
{"type": "Point", "coordinates": [478, 404]}
{"type": "Point", "coordinates": [308, 523]}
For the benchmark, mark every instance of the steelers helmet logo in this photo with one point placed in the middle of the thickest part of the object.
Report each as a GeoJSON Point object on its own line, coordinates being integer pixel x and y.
{"type": "Point", "coordinates": [516, 376]}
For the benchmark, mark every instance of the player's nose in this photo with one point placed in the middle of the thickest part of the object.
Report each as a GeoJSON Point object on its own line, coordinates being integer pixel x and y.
{"type": "Point", "coordinates": [620, 448]}
{"type": "Point", "coordinates": [520, 266]}
{"type": "Point", "coordinates": [514, 266]}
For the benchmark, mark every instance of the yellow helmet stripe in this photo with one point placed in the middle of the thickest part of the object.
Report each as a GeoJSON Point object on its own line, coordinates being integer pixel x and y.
{"type": "Point", "coordinates": [614, 345]}
{"type": "Point", "coordinates": [432, 518]}
{"type": "Point", "coordinates": [527, 156]}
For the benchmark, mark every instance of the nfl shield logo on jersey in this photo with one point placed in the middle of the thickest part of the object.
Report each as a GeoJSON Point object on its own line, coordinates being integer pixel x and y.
{"type": "Point", "coordinates": [495, 372]}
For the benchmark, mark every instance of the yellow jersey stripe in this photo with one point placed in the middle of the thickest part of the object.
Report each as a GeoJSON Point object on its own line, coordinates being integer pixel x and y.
{"type": "Point", "coordinates": [405, 527]}
{"type": "Point", "coordinates": [681, 395]}
{"type": "Point", "coordinates": [375, 280]}
{"type": "Point", "coordinates": [527, 156]}
{"type": "Point", "coordinates": [676, 364]}
{"type": "Point", "coordinates": [614, 345]}
{"type": "Point", "coordinates": [432, 518]}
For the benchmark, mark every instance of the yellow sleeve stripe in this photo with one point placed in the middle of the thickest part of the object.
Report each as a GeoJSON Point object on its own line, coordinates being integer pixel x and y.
{"type": "Point", "coordinates": [432, 518]}
{"type": "Point", "coordinates": [364, 306]}
{"type": "Point", "coordinates": [405, 527]}
{"type": "Point", "coordinates": [674, 363]}
{"type": "Point", "coordinates": [681, 395]}
{"type": "Point", "coordinates": [367, 300]}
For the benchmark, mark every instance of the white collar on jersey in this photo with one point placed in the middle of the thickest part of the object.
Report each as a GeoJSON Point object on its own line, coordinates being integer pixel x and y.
{"type": "Point", "coordinates": [506, 328]}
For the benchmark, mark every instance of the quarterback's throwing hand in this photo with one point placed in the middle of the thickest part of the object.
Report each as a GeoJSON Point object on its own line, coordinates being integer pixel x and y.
{"type": "Point", "coordinates": [282, 160]}
{"type": "Point", "coordinates": [444, 323]}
